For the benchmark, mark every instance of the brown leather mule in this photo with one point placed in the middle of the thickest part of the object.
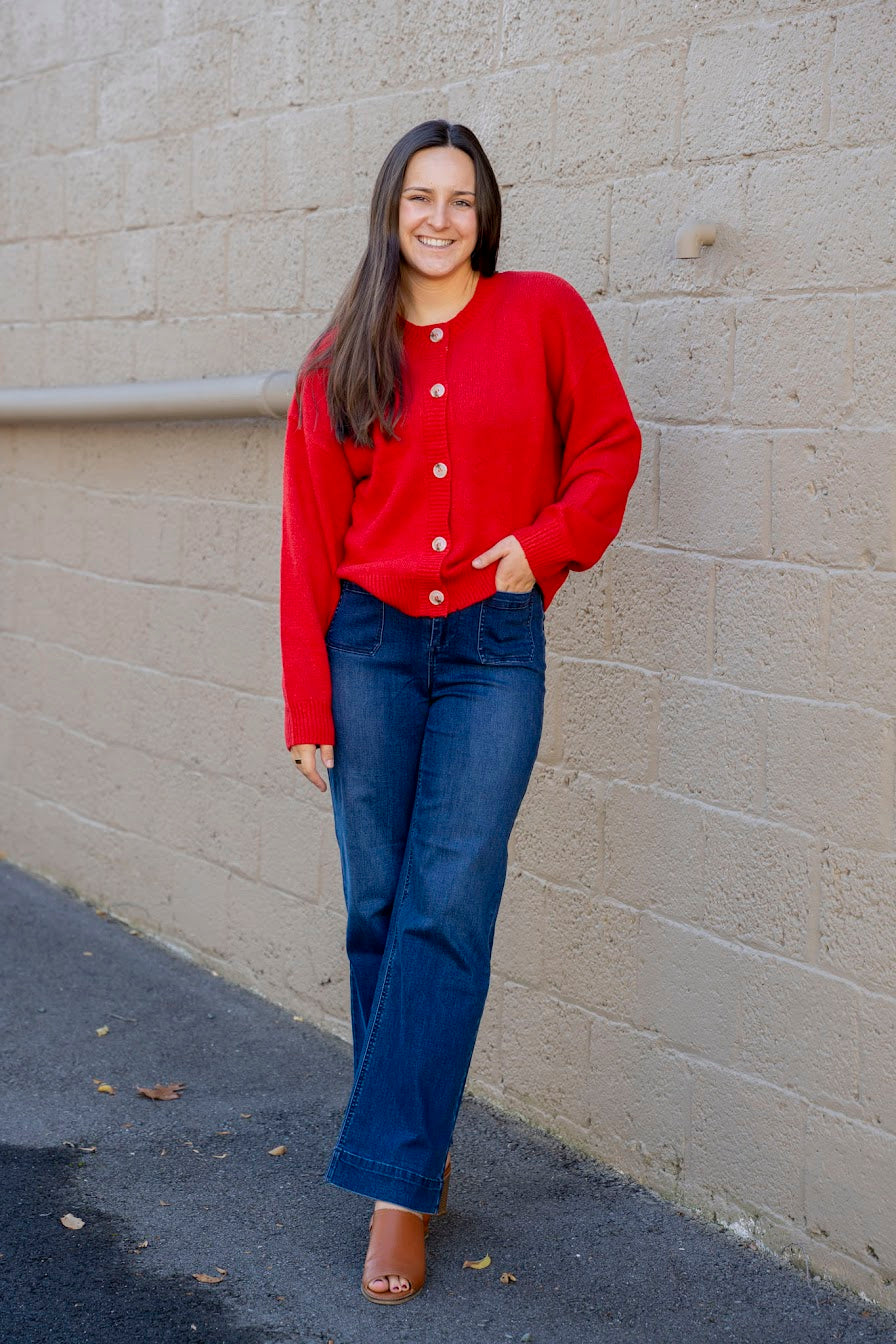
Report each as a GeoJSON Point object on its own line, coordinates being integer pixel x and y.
{"type": "Point", "coordinates": [397, 1247]}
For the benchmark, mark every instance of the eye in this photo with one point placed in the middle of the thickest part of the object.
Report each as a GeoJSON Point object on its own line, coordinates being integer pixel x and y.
{"type": "Point", "coordinates": [468, 204]}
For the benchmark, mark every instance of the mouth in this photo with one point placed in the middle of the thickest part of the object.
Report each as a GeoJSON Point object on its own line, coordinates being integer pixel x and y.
{"type": "Point", "coordinates": [434, 243]}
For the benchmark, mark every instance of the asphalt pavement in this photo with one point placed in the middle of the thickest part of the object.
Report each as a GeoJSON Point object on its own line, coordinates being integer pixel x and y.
{"type": "Point", "coordinates": [168, 1189]}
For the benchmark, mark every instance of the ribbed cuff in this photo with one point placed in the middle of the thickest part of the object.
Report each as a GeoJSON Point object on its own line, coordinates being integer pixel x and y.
{"type": "Point", "coordinates": [309, 721]}
{"type": "Point", "coordinates": [546, 546]}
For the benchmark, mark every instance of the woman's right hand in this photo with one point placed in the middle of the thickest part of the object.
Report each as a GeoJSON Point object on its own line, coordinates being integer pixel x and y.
{"type": "Point", "coordinates": [304, 757]}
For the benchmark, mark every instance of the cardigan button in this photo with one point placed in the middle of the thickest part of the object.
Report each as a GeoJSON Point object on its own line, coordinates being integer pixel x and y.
{"type": "Point", "coordinates": [436, 334]}
{"type": "Point", "coordinates": [440, 469]}
{"type": "Point", "coordinates": [436, 597]}
{"type": "Point", "coordinates": [439, 543]}
{"type": "Point", "coordinates": [437, 390]}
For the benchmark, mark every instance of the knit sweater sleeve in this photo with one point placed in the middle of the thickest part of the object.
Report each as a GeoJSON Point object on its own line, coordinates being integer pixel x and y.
{"type": "Point", "coordinates": [601, 443]}
{"type": "Point", "coordinates": [318, 490]}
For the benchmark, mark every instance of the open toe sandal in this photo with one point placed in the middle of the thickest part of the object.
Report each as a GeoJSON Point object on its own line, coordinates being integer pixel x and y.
{"type": "Point", "coordinates": [396, 1247]}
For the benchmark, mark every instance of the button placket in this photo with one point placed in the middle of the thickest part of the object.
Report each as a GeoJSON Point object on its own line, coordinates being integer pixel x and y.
{"type": "Point", "coordinates": [434, 357]}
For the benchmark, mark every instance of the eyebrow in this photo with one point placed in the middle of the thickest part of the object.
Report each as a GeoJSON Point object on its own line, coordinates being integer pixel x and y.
{"type": "Point", "coordinates": [455, 191]}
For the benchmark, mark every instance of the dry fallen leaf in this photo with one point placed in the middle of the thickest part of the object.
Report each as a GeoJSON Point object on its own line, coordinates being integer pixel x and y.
{"type": "Point", "coordinates": [219, 1154]}
{"type": "Point", "coordinates": [278, 1151]}
{"type": "Point", "coordinates": [102, 1031]}
{"type": "Point", "coordinates": [86, 954]}
{"type": "Point", "coordinates": [245, 1115]}
{"type": "Point", "coordinates": [508, 1278]}
{"type": "Point", "coordinates": [223, 1131]}
{"type": "Point", "coordinates": [162, 1091]}
{"type": "Point", "coordinates": [209, 1278]}
{"type": "Point", "coordinates": [83, 1148]}
{"type": "Point", "coordinates": [477, 1264]}
{"type": "Point", "coordinates": [105, 1087]}
{"type": "Point", "coordinates": [70, 1220]}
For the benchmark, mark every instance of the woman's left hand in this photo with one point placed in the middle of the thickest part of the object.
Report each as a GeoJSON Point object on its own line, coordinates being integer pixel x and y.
{"type": "Point", "coordinates": [513, 574]}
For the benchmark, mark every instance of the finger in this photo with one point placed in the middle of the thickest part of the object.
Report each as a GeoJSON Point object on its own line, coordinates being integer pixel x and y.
{"type": "Point", "coordinates": [488, 557]}
{"type": "Point", "coordinates": [305, 758]}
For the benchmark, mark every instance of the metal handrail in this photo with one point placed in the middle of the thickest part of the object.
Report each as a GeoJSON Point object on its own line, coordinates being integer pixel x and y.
{"type": "Point", "coordinates": [253, 394]}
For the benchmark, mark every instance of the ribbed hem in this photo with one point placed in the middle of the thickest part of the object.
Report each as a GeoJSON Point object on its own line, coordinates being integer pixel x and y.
{"type": "Point", "coordinates": [309, 721]}
{"type": "Point", "coordinates": [409, 590]}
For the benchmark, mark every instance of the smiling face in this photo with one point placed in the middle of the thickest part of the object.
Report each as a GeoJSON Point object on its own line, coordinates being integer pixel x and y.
{"type": "Point", "coordinates": [437, 223]}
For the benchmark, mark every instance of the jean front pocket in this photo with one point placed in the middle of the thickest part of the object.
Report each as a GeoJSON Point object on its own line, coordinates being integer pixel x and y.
{"type": "Point", "coordinates": [510, 629]}
{"type": "Point", "coordinates": [357, 623]}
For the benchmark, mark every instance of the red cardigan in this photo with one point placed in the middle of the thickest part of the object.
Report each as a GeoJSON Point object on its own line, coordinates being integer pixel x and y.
{"type": "Point", "coordinates": [515, 422]}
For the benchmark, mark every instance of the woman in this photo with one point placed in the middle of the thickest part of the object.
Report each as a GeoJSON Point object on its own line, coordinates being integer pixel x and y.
{"type": "Point", "coordinates": [459, 441]}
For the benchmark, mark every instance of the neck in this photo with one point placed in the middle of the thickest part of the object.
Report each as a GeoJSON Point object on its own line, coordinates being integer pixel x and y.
{"type": "Point", "coordinates": [425, 300]}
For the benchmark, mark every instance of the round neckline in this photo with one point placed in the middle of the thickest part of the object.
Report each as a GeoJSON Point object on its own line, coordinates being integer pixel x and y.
{"type": "Point", "coordinates": [451, 322]}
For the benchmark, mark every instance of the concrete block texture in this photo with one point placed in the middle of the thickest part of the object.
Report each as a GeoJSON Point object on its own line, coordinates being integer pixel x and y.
{"type": "Point", "coordinates": [639, 1100]}
{"type": "Point", "coordinates": [768, 626]}
{"type": "Point", "coordinates": [35, 204]}
{"type": "Point", "coordinates": [688, 988]}
{"type": "Point", "coordinates": [792, 361]}
{"type": "Point", "coordinates": [863, 100]}
{"type": "Point", "coordinates": [832, 497]}
{"type": "Point", "coordinates": [756, 87]}
{"type": "Point", "coordinates": [693, 962]}
{"type": "Point", "coordinates": [714, 490]}
{"type": "Point", "coordinates": [745, 1129]}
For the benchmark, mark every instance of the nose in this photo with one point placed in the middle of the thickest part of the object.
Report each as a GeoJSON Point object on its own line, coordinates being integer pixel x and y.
{"type": "Point", "coordinates": [439, 214]}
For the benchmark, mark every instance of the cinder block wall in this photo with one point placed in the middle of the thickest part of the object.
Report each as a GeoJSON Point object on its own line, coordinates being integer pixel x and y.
{"type": "Point", "coordinates": [694, 967]}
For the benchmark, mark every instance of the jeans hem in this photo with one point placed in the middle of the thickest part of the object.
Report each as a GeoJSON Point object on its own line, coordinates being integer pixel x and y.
{"type": "Point", "coordinates": [380, 1180]}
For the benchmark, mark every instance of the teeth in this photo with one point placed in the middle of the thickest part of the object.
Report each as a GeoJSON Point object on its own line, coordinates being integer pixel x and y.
{"type": "Point", "coordinates": [435, 242]}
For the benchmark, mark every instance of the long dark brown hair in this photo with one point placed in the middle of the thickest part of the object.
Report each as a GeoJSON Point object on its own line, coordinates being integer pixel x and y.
{"type": "Point", "coordinates": [361, 347]}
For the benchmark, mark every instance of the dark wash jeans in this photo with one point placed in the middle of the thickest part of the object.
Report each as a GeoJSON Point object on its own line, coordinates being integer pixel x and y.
{"type": "Point", "coordinates": [438, 720]}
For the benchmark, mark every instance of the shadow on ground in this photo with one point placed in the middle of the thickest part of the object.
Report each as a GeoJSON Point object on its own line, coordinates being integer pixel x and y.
{"type": "Point", "coordinates": [87, 1284]}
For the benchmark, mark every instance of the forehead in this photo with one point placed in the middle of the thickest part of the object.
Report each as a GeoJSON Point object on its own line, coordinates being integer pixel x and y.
{"type": "Point", "coordinates": [442, 166]}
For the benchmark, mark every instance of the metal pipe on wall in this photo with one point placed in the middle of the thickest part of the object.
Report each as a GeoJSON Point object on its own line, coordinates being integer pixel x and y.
{"type": "Point", "coordinates": [253, 394]}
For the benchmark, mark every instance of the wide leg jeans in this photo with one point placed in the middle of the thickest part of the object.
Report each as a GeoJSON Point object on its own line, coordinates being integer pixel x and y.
{"type": "Point", "coordinates": [438, 720]}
